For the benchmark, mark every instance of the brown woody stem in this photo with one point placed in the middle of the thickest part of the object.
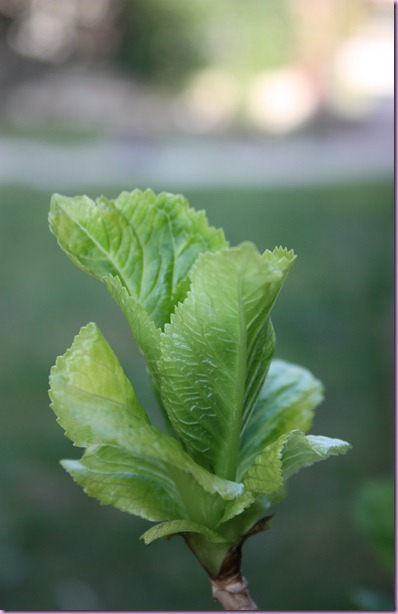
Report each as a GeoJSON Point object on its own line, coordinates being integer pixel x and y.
{"type": "Point", "coordinates": [229, 587]}
{"type": "Point", "coordinates": [233, 595]}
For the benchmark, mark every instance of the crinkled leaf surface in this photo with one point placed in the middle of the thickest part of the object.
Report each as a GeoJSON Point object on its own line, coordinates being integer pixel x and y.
{"type": "Point", "coordinates": [304, 450]}
{"type": "Point", "coordinates": [143, 328]}
{"type": "Point", "coordinates": [277, 462]}
{"type": "Point", "coordinates": [217, 348]}
{"type": "Point", "coordinates": [129, 483]}
{"type": "Point", "coordinates": [96, 404]}
{"type": "Point", "coordinates": [287, 402]}
{"type": "Point", "coordinates": [148, 241]}
{"type": "Point", "coordinates": [264, 477]}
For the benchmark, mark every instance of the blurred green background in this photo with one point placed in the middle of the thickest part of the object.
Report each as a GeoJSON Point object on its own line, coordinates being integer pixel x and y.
{"type": "Point", "coordinates": [331, 545]}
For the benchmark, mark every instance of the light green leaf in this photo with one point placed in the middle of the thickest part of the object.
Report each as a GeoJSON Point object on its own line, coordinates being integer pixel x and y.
{"type": "Point", "coordinates": [237, 522]}
{"type": "Point", "coordinates": [237, 506]}
{"type": "Point", "coordinates": [217, 348]}
{"type": "Point", "coordinates": [89, 391]}
{"type": "Point", "coordinates": [285, 457]}
{"type": "Point", "coordinates": [287, 402]}
{"type": "Point", "coordinates": [142, 327]}
{"type": "Point", "coordinates": [96, 404]}
{"type": "Point", "coordinates": [149, 443]}
{"type": "Point", "coordinates": [149, 241]}
{"type": "Point", "coordinates": [276, 463]}
{"type": "Point", "coordinates": [130, 484]}
{"type": "Point", "coordinates": [265, 477]}
{"type": "Point", "coordinates": [302, 451]}
{"type": "Point", "coordinates": [167, 529]}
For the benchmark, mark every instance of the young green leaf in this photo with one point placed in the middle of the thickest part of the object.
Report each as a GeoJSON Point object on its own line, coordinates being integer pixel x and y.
{"type": "Point", "coordinates": [237, 506]}
{"type": "Point", "coordinates": [148, 241]}
{"type": "Point", "coordinates": [286, 456]}
{"type": "Point", "coordinates": [142, 327]}
{"type": "Point", "coordinates": [174, 527]}
{"type": "Point", "coordinates": [90, 393]}
{"type": "Point", "coordinates": [287, 402]}
{"type": "Point", "coordinates": [278, 461]}
{"type": "Point", "coordinates": [304, 450]}
{"type": "Point", "coordinates": [129, 483]}
{"type": "Point", "coordinates": [96, 404]}
{"type": "Point", "coordinates": [217, 348]}
{"type": "Point", "coordinates": [264, 477]}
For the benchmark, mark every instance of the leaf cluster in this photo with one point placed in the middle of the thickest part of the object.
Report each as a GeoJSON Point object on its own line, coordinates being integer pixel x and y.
{"type": "Point", "coordinates": [199, 311]}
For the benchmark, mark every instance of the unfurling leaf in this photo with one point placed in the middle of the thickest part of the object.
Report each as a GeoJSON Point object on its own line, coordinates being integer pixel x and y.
{"type": "Point", "coordinates": [216, 351]}
{"type": "Point", "coordinates": [286, 402]}
{"type": "Point", "coordinates": [148, 241]}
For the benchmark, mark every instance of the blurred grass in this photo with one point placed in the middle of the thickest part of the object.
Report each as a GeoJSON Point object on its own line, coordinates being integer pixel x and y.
{"type": "Point", "coordinates": [61, 550]}
{"type": "Point", "coordinates": [56, 132]}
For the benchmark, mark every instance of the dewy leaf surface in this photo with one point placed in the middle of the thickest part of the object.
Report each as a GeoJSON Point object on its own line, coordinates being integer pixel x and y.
{"type": "Point", "coordinates": [148, 241]}
{"type": "Point", "coordinates": [287, 402]}
{"type": "Point", "coordinates": [96, 404]}
{"type": "Point", "coordinates": [217, 348]}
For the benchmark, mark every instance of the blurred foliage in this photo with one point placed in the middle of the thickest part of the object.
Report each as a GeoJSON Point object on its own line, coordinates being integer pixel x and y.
{"type": "Point", "coordinates": [248, 37]}
{"type": "Point", "coordinates": [59, 549]}
{"type": "Point", "coordinates": [160, 41]}
{"type": "Point", "coordinates": [165, 42]}
{"type": "Point", "coordinates": [374, 514]}
{"type": "Point", "coordinates": [367, 600]}
{"type": "Point", "coordinates": [61, 133]}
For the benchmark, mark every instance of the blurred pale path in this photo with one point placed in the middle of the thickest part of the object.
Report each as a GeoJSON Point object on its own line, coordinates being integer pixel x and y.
{"type": "Point", "coordinates": [352, 151]}
{"type": "Point", "coordinates": [277, 119]}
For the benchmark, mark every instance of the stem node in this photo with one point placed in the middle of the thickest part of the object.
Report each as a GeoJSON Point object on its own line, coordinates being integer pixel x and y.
{"type": "Point", "coordinates": [233, 593]}
{"type": "Point", "coordinates": [229, 587]}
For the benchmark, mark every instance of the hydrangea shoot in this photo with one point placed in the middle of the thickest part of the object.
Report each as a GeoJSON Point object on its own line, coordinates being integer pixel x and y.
{"type": "Point", "coordinates": [237, 419]}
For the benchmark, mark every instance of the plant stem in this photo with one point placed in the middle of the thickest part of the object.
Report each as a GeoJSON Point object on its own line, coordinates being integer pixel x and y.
{"type": "Point", "coordinates": [222, 563]}
{"type": "Point", "coordinates": [234, 594]}
{"type": "Point", "coordinates": [229, 587]}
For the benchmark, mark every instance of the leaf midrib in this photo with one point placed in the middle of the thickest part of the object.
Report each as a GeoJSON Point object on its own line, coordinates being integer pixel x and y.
{"type": "Point", "coordinates": [108, 255]}
{"type": "Point", "coordinates": [231, 449]}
